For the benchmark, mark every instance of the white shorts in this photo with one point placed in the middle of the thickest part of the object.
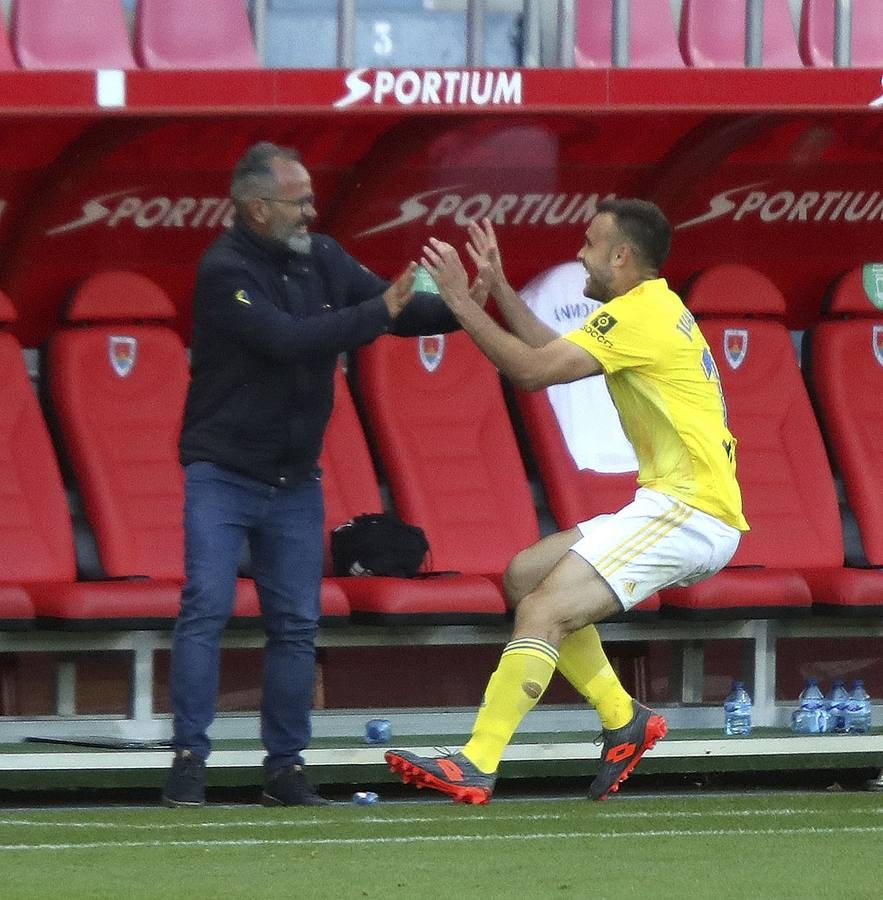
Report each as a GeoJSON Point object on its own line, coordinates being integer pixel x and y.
{"type": "Point", "coordinates": [655, 542]}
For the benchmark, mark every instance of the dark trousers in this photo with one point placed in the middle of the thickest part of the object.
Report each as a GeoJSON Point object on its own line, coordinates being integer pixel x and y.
{"type": "Point", "coordinates": [284, 527]}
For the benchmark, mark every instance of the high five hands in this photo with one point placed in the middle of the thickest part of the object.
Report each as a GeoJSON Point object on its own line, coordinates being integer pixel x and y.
{"type": "Point", "coordinates": [444, 264]}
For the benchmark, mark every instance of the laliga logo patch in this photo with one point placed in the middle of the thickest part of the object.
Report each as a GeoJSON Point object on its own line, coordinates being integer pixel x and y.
{"type": "Point", "coordinates": [603, 322]}
{"type": "Point", "coordinates": [735, 346]}
{"type": "Point", "coordinates": [877, 342]}
{"type": "Point", "coordinates": [122, 352]}
{"type": "Point", "coordinates": [431, 348]}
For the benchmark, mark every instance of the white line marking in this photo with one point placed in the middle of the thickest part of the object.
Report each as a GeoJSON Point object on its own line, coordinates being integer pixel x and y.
{"type": "Point", "coordinates": [413, 820]}
{"type": "Point", "coordinates": [278, 823]}
{"type": "Point", "coordinates": [449, 838]}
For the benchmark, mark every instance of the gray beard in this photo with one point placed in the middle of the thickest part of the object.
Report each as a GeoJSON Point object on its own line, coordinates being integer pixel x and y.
{"type": "Point", "coordinates": [300, 243]}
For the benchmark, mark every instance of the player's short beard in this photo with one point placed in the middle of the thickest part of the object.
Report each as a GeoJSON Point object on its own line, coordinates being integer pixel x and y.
{"type": "Point", "coordinates": [300, 242]}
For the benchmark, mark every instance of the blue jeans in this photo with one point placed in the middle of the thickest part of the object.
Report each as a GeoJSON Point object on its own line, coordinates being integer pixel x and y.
{"type": "Point", "coordinates": [284, 529]}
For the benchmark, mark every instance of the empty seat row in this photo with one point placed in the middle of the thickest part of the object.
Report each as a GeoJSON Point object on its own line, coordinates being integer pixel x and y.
{"type": "Point", "coordinates": [93, 34]}
{"type": "Point", "coordinates": [713, 35]}
{"type": "Point", "coordinates": [435, 412]}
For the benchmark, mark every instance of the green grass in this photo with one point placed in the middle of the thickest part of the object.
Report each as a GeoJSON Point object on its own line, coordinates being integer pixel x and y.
{"type": "Point", "coordinates": [796, 845]}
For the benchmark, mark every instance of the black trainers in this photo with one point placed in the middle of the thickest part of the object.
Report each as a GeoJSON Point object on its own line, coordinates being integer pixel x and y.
{"type": "Point", "coordinates": [289, 787]}
{"type": "Point", "coordinates": [453, 775]}
{"type": "Point", "coordinates": [623, 747]}
{"type": "Point", "coordinates": [185, 783]}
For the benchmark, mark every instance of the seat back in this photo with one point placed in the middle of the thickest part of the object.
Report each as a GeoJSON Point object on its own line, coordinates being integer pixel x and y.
{"type": "Point", "coordinates": [349, 482]}
{"type": "Point", "coordinates": [845, 371]}
{"type": "Point", "coordinates": [71, 34]}
{"type": "Point", "coordinates": [436, 412]}
{"type": "Point", "coordinates": [36, 538]}
{"type": "Point", "coordinates": [653, 39]}
{"type": "Point", "coordinates": [787, 485]}
{"type": "Point", "coordinates": [118, 378]}
{"type": "Point", "coordinates": [712, 35]}
{"type": "Point", "coordinates": [817, 33]}
{"type": "Point", "coordinates": [194, 34]}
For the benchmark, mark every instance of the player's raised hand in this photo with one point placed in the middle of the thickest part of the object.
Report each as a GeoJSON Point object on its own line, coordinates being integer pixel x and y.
{"type": "Point", "coordinates": [485, 252]}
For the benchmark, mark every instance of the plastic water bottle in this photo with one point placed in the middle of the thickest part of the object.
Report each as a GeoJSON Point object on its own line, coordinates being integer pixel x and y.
{"type": "Point", "coordinates": [810, 717]}
{"type": "Point", "coordinates": [737, 710]}
{"type": "Point", "coordinates": [378, 731]}
{"type": "Point", "coordinates": [835, 704]}
{"type": "Point", "coordinates": [858, 710]}
{"type": "Point", "coordinates": [365, 798]}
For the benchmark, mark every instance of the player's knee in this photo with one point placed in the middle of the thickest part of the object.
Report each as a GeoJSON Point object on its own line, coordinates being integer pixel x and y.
{"type": "Point", "coordinates": [517, 580]}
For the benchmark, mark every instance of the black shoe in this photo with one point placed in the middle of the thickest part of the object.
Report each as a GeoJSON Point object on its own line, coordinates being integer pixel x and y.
{"type": "Point", "coordinates": [289, 787]}
{"type": "Point", "coordinates": [185, 783]}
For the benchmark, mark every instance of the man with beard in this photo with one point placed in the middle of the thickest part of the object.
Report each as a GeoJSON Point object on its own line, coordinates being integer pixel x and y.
{"type": "Point", "coordinates": [683, 525]}
{"type": "Point", "coordinates": [273, 307]}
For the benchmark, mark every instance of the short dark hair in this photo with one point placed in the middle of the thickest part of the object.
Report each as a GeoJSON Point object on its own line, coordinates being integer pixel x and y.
{"type": "Point", "coordinates": [644, 226]}
{"type": "Point", "coordinates": [254, 175]}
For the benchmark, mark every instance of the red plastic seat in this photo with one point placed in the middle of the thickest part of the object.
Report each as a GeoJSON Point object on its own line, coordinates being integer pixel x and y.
{"type": "Point", "coordinates": [350, 488]}
{"type": "Point", "coordinates": [194, 34]}
{"type": "Point", "coordinates": [844, 365]}
{"type": "Point", "coordinates": [118, 377]}
{"type": "Point", "coordinates": [787, 485]}
{"type": "Point", "coordinates": [71, 34]}
{"type": "Point", "coordinates": [436, 412]}
{"type": "Point", "coordinates": [712, 35]}
{"type": "Point", "coordinates": [653, 40]}
{"type": "Point", "coordinates": [817, 33]}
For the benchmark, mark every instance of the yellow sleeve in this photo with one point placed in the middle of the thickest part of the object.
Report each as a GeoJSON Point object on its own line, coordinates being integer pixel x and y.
{"type": "Point", "coordinates": [618, 337]}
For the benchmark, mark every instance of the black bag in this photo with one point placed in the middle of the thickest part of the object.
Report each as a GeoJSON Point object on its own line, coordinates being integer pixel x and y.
{"type": "Point", "coordinates": [378, 544]}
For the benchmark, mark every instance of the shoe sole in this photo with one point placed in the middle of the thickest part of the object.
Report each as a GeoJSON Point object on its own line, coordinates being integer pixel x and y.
{"type": "Point", "coordinates": [420, 778]}
{"type": "Point", "coordinates": [655, 731]}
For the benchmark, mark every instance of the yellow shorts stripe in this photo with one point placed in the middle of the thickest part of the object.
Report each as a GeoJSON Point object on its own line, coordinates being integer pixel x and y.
{"type": "Point", "coordinates": [645, 537]}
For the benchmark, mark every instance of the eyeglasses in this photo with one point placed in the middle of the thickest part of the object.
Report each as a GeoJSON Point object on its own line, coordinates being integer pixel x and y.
{"type": "Point", "coordinates": [301, 204]}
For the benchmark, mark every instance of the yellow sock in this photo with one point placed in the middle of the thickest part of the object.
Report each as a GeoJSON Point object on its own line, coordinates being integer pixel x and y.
{"type": "Point", "coordinates": [523, 674]}
{"type": "Point", "coordinates": [583, 662]}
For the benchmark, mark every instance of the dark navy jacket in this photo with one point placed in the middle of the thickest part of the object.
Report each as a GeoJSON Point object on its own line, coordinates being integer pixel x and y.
{"type": "Point", "coordinates": [268, 326]}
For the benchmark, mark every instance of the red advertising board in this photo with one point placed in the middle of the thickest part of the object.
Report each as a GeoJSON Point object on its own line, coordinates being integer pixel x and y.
{"type": "Point", "coordinates": [782, 170]}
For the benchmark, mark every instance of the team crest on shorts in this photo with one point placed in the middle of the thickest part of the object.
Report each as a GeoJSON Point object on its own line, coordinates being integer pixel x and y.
{"type": "Point", "coordinates": [735, 346]}
{"type": "Point", "coordinates": [877, 341]}
{"type": "Point", "coordinates": [431, 348]}
{"type": "Point", "coordinates": [122, 352]}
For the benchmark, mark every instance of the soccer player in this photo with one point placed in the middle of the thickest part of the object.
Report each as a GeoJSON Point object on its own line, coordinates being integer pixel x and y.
{"type": "Point", "coordinates": [683, 525]}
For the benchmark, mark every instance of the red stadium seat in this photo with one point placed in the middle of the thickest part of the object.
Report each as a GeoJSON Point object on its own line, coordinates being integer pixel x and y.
{"type": "Point", "coordinates": [71, 34]}
{"type": "Point", "coordinates": [350, 487]}
{"type": "Point", "coordinates": [787, 486]}
{"type": "Point", "coordinates": [118, 377]}
{"type": "Point", "coordinates": [194, 34]}
{"type": "Point", "coordinates": [436, 412]}
{"type": "Point", "coordinates": [844, 363]}
{"type": "Point", "coordinates": [817, 33]}
{"type": "Point", "coordinates": [712, 35]}
{"type": "Point", "coordinates": [29, 545]}
{"type": "Point", "coordinates": [653, 40]}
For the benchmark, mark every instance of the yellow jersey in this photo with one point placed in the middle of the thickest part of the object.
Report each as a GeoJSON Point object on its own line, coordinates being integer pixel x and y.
{"type": "Point", "coordinates": [666, 388]}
